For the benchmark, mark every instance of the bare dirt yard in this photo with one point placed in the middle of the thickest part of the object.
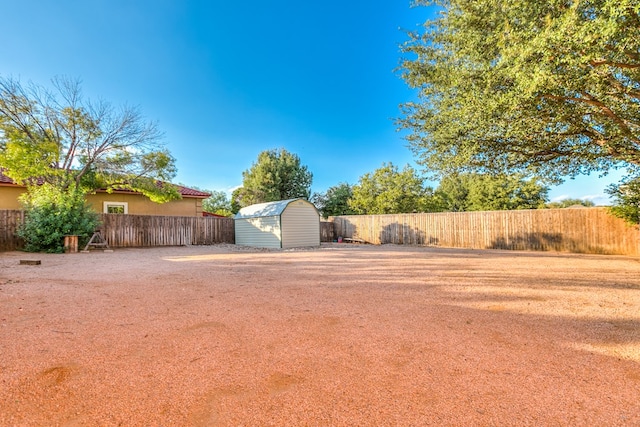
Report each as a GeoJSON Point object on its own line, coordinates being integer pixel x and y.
{"type": "Point", "coordinates": [342, 335]}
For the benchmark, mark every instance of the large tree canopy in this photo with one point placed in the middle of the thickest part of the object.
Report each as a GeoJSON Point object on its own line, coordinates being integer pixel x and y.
{"type": "Point", "coordinates": [548, 85]}
{"type": "Point", "coordinates": [388, 190]}
{"type": "Point", "coordinates": [276, 175]}
{"type": "Point", "coordinates": [60, 139]}
{"type": "Point", "coordinates": [335, 201]}
{"type": "Point", "coordinates": [218, 203]}
{"type": "Point", "coordinates": [483, 192]}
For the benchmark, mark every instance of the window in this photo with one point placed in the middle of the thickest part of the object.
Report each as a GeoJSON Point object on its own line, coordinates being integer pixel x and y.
{"type": "Point", "coordinates": [116, 207]}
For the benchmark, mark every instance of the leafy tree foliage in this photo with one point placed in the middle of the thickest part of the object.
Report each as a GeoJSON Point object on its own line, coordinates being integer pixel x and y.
{"type": "Point", "coordinates": [335, 201]}
{"type": "Point", "coordinates": [63, 147]}
{"type": "Point", "coordinates": [57, 138]}
{"type": "Point", "coordinates": [549, 85]}
{"type": "Point", "coordinates": [277, 175]}
{"type": "Point", "coordinates": [388, 190]}
{"type": "Point", "coordinates": [51, 214]}
{"type": "Point", "coordinates": [626, 200]}
{"type": "Point", "coordinates": [565, 203]}
{"type": "Point", "coordinates": [484, 192]}
{"type": "Point", "coordinates": [218, 203]}
{"type": "Point", "coordinates": [236, 198]}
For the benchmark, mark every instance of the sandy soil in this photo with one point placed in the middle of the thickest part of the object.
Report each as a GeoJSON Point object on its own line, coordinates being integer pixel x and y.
{"type": "Point", "coordinates": [338, 336]}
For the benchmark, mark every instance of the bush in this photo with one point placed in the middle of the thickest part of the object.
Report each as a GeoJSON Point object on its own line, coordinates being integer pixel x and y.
{"type": "Point", "coordinates": [52, 214]}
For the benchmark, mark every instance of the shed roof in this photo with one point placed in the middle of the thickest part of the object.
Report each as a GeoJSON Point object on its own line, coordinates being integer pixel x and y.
{"type": "Point", "coordinates": [265, 209]}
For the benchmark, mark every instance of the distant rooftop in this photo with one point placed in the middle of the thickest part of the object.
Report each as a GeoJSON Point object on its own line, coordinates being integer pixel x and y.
{"type": "Point", "coordinates": [184, 191]}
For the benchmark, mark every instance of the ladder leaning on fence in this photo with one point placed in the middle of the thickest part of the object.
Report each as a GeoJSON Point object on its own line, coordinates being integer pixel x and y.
{"type": "Point", "coordinates": [97, 241]}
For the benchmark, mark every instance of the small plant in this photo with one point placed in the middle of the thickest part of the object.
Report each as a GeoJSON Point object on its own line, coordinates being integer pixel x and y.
{"type": "Point", "coordinates": [52, 214]}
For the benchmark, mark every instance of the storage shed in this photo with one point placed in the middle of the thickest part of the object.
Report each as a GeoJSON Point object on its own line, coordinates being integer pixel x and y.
{"type": "Point", "coordinates": [284, 224]}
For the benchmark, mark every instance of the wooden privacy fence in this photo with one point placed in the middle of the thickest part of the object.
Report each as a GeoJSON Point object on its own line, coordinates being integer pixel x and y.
{"type": "Point", "coordinates": [588, 230]}
{"type": "Point", "coordinates": [326, 231]}
{"type": "Point", "coordinates": [10, 220]}
{"type": "Point", "coordinates": [138, 230]}
{"type": "Point", "coordinates": [151, 230]}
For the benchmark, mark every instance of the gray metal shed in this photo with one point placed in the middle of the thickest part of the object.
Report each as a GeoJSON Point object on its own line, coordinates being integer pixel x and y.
{"type": "Point", "coordinates": [284, 224]}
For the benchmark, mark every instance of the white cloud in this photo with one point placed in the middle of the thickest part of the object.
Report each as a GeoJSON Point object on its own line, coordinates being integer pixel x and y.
{"type": "Point", "coordinates": [232, 189]}
{"type": "Point", "coordinates": [598, 199]}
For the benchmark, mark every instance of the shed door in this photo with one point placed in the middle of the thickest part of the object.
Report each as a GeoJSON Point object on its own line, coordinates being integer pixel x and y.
{"type": "Point", "coordinates": [300, 225]}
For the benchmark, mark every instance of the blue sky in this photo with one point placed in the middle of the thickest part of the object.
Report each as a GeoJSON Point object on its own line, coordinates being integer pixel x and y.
{"type": "Point", "coordinates": [226, 80]}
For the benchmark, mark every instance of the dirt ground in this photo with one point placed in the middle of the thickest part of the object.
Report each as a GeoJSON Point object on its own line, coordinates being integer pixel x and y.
{"type": "Point", "coordinates": [343, 335]}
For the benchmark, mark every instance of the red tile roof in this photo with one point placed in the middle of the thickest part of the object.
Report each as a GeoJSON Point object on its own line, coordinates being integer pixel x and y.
{"type": "Point", "coordinates": [5, 179]}
{"type": "Point", "coordinates": [184, 191]}
{"type": "Point", "coordinates": [190, 192]}
{"type": "Point", "coordinates": [213, 215]}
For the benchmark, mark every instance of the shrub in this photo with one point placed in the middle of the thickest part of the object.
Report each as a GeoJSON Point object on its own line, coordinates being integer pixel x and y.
{"type": "Point", "coordinates": [51, 214]}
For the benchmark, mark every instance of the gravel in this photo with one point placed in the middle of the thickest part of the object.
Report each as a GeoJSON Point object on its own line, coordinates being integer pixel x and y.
{"type": "Point", "coordinates": [340, 335]}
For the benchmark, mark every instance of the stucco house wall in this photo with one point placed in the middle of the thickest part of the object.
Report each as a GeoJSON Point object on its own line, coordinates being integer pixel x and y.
{"type": "Point", "coordinates": [138, 204]}
{"type": "Point", "coordinates": [9, 196]}
{"type": "Point", "coordinates": [132, 203]}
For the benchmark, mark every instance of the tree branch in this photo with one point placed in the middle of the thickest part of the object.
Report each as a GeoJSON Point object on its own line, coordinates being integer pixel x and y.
{"type": "Point", "coordinates": [623, 65]}
{"type": "Point", "coordinates": [608, 112]}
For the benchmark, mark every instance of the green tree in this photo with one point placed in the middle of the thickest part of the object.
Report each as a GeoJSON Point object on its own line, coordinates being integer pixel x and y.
{"type": "Point", "coordinates": [236, 200]}
{"type": "Point", "coordinates": [551, 86]}
{"type": "Point", "coordinates": [335, 201]}
{"type": "Point", "coordinates": [277, 175]}
{"type": "Point", "coordinates": [626, 200]}
{"type": "Point", "coordinates": [452, 193]}
{"type": "Point", "coordinates": [63, 147]}
{"type": "Point", "coordinates": [58, 138]}
{"type": "Point", "coordinates": [51, 214]}
{"type": "Point", "coordinates": [218, 203]}
{"type": "Point", "coordinates": [483, 192]}
{"type": "Point", "coordinates": [565, 203]}
{"type": "Point", "coordinates": [389, 190]}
